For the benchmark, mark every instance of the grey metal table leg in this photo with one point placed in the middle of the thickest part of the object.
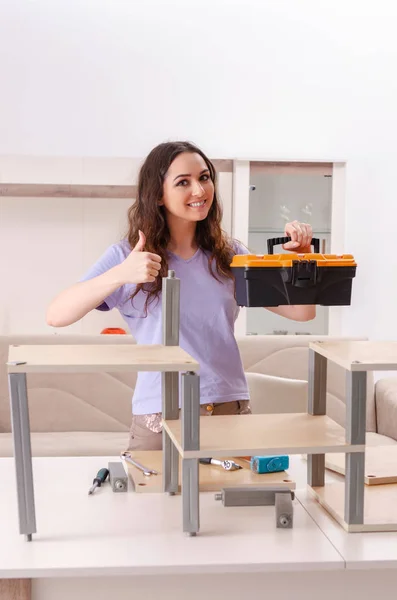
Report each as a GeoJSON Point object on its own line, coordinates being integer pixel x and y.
{"type": "Point", "coordinates": [356, 402]}
{"type": "Point", "coordinates": [316, 470]}
{"type": "Point", "coordinates": [190, 496]}
{"type": "Point", "coordinates": [170, 390]}
{"type": "Point", "coordinates": [317, 405]}
{"type": "Point", "coordinates": [22, 453]}
{"type": "Point", "coordinates": [190, 441]}
{"type": "Point", "coordinates": [170, 381]}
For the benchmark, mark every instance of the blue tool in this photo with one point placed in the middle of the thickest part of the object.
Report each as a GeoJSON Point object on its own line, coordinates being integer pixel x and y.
{"type": "Point", "coordinates": [269, 464]}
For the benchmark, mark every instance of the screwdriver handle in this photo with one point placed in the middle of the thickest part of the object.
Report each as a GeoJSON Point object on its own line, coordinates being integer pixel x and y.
{"type": "Point", "coordinates": [101, 477]}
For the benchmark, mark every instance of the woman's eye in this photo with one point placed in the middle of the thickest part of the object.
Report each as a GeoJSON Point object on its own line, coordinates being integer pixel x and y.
{"type": "Point", "coordinates": [182, 182]}
{"type": "Point", "coordinates": [205, 177]}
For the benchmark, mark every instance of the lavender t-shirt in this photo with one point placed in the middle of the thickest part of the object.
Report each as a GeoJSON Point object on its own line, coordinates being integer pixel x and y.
{"type": "Point", "coordinates": [208, 312]}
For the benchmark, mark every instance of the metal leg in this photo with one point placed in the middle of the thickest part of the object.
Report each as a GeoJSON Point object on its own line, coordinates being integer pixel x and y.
{"type": "Point", "coordinates": [190, 441]}
{"type": "Point", "coordinates": [170, 466]}
{"type": "Point", "coordinates": [22, 453]}
{"type": "Point", "coordinates": [190, 414]}
{"type": "Point", "coordinates": [170, 295]}
{"type": "Point", "coordinates": [190, 411]}
{"type": "Point", "coordinates": [354, 488]}
{"type": "Point", "coordinates": [356, 400]}
{"type": "Point", "coordinates": [170, 393]}
{"type": "Point", "coordinates": [356, 406]}
{"type": "Point", "coordinates": [190, 495]}
{"type": "Point", "coordinates": [316, 470]}
{"type": "Point", "coordinates": [317, 405]}
{"type": "Point", "coordinates": [170, 381]}
{"type": "Point", "coordinates": [317, 400]}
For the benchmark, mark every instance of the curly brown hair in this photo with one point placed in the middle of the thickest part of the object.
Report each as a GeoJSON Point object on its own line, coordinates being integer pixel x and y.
{"type": "Point", "coordinates": [148, 216]}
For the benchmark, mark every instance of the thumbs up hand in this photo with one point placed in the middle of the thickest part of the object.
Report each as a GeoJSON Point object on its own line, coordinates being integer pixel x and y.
{"type": "Point", "coordinates": [140, 245]}
{"type": "Point", "coordinates": [140, 266]}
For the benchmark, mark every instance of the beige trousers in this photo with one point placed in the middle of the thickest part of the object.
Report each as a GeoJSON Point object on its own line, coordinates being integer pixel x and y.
{"type": "Point", "coordinates": [143, 438]}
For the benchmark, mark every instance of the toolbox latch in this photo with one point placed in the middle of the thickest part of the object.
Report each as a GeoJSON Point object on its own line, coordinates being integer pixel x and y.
{"type": "Point", "coordinates": [304, 273]}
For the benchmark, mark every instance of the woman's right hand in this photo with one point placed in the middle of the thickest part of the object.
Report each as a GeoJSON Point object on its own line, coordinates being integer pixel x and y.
{"type": "Point", "coordinates": [140, 266]}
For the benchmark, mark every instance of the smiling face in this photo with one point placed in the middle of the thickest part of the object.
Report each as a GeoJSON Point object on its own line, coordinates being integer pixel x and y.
{"type": "Point", "coordinates": [188, 191]}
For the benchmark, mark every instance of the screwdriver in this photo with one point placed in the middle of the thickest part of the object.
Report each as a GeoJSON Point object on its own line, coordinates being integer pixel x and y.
{"type": "Point", "coordinates": [228, 465]}
{"type": "Point", "coordinates": [99, 480]}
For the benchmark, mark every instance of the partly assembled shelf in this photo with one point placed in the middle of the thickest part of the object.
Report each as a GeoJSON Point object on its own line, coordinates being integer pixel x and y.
{"type": "Point", "coordinates": [188, 437]}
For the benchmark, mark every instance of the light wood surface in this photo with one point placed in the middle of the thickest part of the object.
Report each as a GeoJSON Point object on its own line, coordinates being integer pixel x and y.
{"type": "Point", "coordinates": [128, 534]}
{"type": "Point", "coordinates": [92, 358]}
{"type": "Point", "coordinates": [84, 190]}
{"type": "Point", "coordinates": [58, 190]}
{"type": "Point", "coordinates": [380, 506]}
{"type": "Point", "coordinates": [15, 589]}
{"type": "Point", "coordinates": [360, 355]}
{"type": "Point", "coordinates": [361, 551]}
{"type": "Point", "coordinates": [264, 434]}
{"type": "Point", "coordinates": [380, 464]}
{"type": "Point", "coordinates": [135, 537]}
{"type": "Point", "coordinates": [212, 478]}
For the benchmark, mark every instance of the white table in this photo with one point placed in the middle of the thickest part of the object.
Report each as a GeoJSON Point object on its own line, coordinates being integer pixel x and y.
{"type": "Point", "coordinates": [114, 545]}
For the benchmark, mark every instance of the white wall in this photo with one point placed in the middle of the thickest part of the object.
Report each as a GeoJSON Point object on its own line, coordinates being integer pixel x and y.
{"type": "Point", "coordinates": [251, 79]}
{"type": "Point", "coordinates": [47, 244]}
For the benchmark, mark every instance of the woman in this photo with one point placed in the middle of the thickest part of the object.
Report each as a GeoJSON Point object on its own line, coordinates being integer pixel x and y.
{"type": "Point", "coordinates": [175, 224]}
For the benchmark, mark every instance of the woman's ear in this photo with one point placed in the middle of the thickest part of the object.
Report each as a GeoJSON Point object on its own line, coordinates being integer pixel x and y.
{"type": "Point", "coordinates": [160, 202]}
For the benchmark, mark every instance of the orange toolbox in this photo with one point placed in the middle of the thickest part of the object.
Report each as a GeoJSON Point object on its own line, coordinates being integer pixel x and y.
{"type": "Point", "coordinates": [283, 279]}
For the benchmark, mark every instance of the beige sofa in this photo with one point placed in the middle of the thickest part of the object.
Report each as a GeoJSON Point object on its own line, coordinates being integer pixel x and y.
{"type": "Point", "coordinates": [89, 414]}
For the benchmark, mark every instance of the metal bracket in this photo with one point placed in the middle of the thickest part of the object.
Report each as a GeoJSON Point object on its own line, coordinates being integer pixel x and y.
{"type": "Point", "coordinates": [279, 497]}
{"type": "Point", "coordinates": [118, 477]}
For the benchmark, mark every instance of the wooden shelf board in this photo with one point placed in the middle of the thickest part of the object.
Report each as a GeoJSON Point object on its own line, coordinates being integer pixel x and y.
{"type": "Point", "coordinates": [380, 506]}
{"type": "Point", "coordinates": [212, 478]}
{"type": "Point", "coordinates": [360, 355]}
{"type": "Point", "coordinates": [380, 464]}
{"type": "Point", "coordinates": [62, 358]}
{"type": "Point", "coordinates": [264, 434]}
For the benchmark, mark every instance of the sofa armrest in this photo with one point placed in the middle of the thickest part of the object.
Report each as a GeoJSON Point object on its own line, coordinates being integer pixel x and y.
{"type": "Point", "coordinates": [271, 394]}
{"type": "Point", "coordinates": [386, 407]}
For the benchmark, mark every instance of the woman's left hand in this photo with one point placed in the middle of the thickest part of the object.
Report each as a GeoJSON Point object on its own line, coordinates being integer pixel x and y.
{"type": "Point", "coordinates": [301, 236]}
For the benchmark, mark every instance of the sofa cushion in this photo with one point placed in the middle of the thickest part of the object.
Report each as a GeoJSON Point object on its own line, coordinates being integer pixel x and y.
{"type": "Point", "coordinates": [71, 401]}
{"type": "Point", "coordinates": [70, 443]}
{"type": "Point", "coordinates": [287, 357]}
{"type": "Point", "coordinates": [274, 395]}
{"type": "Point", "coordinates": [377, 439]}
{"type": "Point", "coordinates": [386, 406]}
{"type": "Point", "coordinates": [86, 413]}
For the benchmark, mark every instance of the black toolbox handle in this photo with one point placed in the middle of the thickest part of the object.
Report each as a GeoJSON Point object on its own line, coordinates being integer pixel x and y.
{"type": "Point", "coordinates": [284, 240]}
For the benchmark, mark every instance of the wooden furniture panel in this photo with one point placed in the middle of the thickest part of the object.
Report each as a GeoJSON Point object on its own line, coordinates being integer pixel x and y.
{"type": "Point", "coordinates": [212, 478]}
{"type": "Point", "coordinates": [264, 434]}
{"type": "Point", "coordinates": [380, 464]}
{"type": "Point", "coordinates": [380, 506]}
{"type": "Point", "coordinates": [92, 358]}
{"type": "Point", "coordinates": [360, 355]}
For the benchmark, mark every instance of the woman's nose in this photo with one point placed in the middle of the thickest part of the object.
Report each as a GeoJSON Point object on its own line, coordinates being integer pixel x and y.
{"type": "Point", "coordinates": [198, 189]}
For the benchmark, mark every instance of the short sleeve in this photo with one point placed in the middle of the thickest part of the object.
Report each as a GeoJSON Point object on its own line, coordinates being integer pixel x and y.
{"type": "Point", "coordinates": [239, 248]}
{"type": "Point", "coordinates": [112, 257]}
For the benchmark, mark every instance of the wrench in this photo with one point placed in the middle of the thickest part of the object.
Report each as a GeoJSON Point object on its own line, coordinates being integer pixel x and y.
{"type": "Point", "coordinates": [147, 472]}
